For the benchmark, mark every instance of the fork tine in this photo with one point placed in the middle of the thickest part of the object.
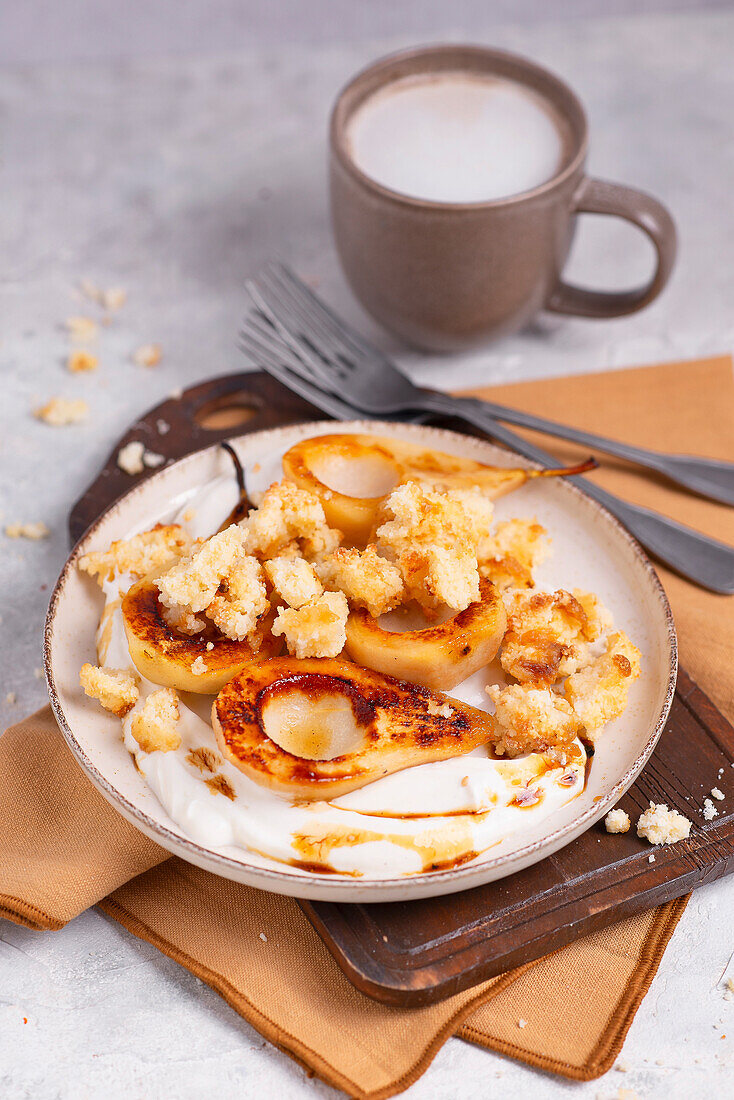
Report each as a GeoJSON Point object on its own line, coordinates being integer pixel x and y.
{"type": "Point", "coordinates": [299, 290]}
{"type": "Point", "coordinates": [266, 340]}
{"type": "Point", "coordinates": [305, 336]}
{"type": "Point", "coordinates": [282, 325]}
{"type": "Point", "coordinates": [351, 344]}
{"type": "Point", "coordinates": [328, 403]}
{"type": "Point", "coordinates": [304, 385]}
{"type": "Point", "coordinates": [296, 306]}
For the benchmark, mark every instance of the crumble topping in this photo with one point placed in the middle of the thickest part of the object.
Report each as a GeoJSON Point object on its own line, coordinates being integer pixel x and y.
{"type": "Point", "coordinates": [80, 361]}
{"type": "Point", "coordinates": [509, 556]}
{"type": "Point", "coordinates": [33, 531]}
{"type": "Point", "coordinates": [443, 711]}
{"type": "Point", "coordinates": [294, 579]}
{"type": "Point", "coordinates": [60, 411]}
{"type": "Point", "coordinates": [366, 579]}
{"type": "Point", "coordinates": [599, 693]}
{"type": "Point", "coordinates": [660, 825]}
{"type": "Point", "coordinates": [531, 719]}
{"type": "Point", "coordinates": [193, 582]}
{"type": "Point", "coordinates": [149, 355]}
{"type": "Point", "coordinates": [199, 666]}
{"type": "Point", "coordinates": [598, 618]}
{"type": "Point", "coordinates": [318, 629]}
{"type": "Point", "coordinates": [116, 689]}
{"type": "Point", "coordinates": [717, 794]}
{"type": "Point", "coordinates": [154, 725]}
{"type": "Point", "coordinates": [547, 636]}
{"type": "Point", "coordinates": [288, 515]}
{"type": "Point", "coordinates": [432, 538]}
{"type": "Point", "coordinates": [183, 619]}
{"type": "Point", "coordinates": [617, 821]}
{"type": "Point", "coordinates": [220, 580]}
{"type": "Point", "coordinates": [241, 600]}
{"type": "Point", "coordinates": [139, 555]}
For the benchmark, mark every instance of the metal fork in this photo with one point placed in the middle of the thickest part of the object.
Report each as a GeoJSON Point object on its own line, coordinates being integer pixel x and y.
{"type": "Point", "coordinates": [346, 363]}
{"type": "Point", "coordinates": [703, 560]}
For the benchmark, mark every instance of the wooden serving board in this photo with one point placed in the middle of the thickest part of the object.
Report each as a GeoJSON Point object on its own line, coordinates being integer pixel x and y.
{"type": "Point", "coordinates": [413, 953]}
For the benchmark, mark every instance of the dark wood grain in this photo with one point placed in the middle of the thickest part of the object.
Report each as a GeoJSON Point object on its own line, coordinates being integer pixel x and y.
{"type": "Point", "coordinates": [421, 951]}
{"type": "Point", "coordinates": [414, 953]}
{"type": "Point", "coordinates": [254, 399]}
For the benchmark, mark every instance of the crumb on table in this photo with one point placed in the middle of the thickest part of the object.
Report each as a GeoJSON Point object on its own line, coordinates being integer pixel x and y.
{"type": "Point", "coordinates": [60, 411]}
{"type": "Point", "coordinates": [147, 355]}
{"type": "Point", "coordinates": [32, 531]}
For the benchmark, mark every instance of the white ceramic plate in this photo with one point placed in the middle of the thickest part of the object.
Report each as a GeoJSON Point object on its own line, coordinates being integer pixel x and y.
{"type": "Point", "coordinates": [590, 550]}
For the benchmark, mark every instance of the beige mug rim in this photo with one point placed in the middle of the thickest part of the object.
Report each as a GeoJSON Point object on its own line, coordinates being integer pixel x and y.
{"type": "Point", "coordinates": [341, 114]}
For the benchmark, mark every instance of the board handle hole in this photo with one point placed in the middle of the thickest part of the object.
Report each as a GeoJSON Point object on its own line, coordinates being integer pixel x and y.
{"type": "Point", "coordinates": [228, 412]}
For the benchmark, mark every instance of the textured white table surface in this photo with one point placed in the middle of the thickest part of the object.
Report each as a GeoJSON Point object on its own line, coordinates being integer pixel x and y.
{"type": "Point", "coordinates": [175, 178]}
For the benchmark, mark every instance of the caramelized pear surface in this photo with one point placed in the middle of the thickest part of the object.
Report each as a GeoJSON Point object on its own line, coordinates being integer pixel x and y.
{"type": "Point", "coordinates": [377, 464]}
{"type": "Point", "coordinates": [165, 656]}
{"type": "Point", "coordinates": [272, 717]}
{"type": "Point", "coordinates": [438, 657]}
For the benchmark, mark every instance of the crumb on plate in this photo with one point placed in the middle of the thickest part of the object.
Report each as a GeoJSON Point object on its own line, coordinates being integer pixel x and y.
{"type": "Point", "coordinates": [531, 719]}
{"type": "Point", "coordinates": [599, 692]}
{"type": "Point", "coordinates": [547, 636]}
{"type": "Point", "coordinates": [154, 726]}
{"type": "Point", "coordinates": [116, 689]}
{"type": "Point", "coordinates": [286, 515]}
{"type": "Point", "coordinates": [193, 581]}
{"type": "Point", "coordinates": [140, 554]}
{"type": "Point", "coordinates": [432, 537]}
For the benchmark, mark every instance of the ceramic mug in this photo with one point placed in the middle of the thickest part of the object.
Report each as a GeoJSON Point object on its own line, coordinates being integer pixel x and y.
{"type": "Point", "coordinates": [450, 275]}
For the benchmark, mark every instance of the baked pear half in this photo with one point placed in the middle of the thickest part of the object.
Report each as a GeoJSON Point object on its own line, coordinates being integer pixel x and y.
{"type": "Point", "coordinates": [166, 657]}
{"type": "Point", "coordinates": [352, 474]}
{"type": "Point", "coordinates": [438, 657]}
{"type": "Point", "coordinates": [318, 728]}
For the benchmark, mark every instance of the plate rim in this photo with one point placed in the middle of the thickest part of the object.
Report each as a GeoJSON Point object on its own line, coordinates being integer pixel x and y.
{"type": "Point", "coordinates": [337, 883]}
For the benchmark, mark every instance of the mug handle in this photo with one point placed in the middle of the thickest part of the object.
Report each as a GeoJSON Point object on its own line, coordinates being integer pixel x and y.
{"type": "Point", "coordinates": [599, 197]}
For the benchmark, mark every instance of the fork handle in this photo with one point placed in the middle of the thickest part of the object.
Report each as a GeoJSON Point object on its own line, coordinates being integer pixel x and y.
{"type": "Point", "coordinates": [709, 477]}
{"type": "Point", "coordinates": [701, 559]}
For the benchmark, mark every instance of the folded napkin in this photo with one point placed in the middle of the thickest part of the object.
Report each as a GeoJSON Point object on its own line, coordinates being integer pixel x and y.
{"type": "Point", "coordinates": [63, 848]}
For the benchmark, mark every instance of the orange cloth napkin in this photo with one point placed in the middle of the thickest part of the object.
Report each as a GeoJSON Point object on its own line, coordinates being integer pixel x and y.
{"type": "Point", "coordinates": [63, 847]}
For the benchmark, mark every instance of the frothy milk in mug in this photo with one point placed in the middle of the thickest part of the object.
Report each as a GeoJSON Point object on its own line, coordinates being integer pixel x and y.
{"type": "Point", "coordinates": [456, 138]}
